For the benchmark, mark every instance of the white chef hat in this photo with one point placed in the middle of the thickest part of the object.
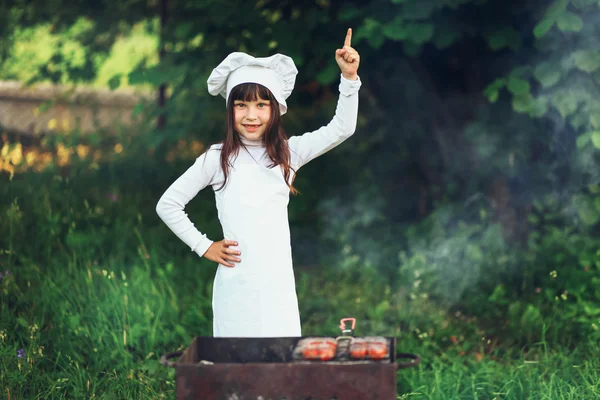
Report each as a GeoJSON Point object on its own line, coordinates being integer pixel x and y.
{"type": "Point", "coordinates": [277, 73]}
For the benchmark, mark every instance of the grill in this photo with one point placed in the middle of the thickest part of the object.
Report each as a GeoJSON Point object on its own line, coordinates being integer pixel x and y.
{"type": "Point", "coordinates": [289, 368]}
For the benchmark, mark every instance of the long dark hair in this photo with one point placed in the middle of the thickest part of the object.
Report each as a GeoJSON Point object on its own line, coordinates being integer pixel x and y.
{"type": "Point", "coordinates": [274, 139]}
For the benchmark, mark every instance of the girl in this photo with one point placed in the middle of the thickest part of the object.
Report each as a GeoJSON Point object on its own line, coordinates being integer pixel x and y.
{"type": "Point", "coordinates": [252, 173]}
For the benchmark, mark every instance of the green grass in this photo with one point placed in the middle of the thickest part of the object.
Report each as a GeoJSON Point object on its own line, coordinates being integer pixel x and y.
{"type": "Point", "coordinates": [95, 331]}
{"type": "Point", "coordinates": [98, 291]}
{"type": "Point", "coordinates": [556, 374]}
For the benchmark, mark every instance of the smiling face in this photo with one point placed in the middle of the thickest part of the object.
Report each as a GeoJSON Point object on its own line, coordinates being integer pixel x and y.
{"type": "Point", "coordinates": [252, 113]}
{"type": "Point", "coordinates": [251, 118]}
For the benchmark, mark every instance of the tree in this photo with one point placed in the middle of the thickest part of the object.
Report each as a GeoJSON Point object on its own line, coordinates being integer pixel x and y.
{"type": "Point", "coordinates": [426, 65]}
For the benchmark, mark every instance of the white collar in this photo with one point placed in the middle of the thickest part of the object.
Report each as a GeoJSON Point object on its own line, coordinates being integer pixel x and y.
{"type": "Point", "coordinates": [251, 143]}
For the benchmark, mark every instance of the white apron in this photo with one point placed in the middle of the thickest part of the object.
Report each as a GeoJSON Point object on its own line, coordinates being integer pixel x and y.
{"type": "Point", "coordinates": [257, 297]}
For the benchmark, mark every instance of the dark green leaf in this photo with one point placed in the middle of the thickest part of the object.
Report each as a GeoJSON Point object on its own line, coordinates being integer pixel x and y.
{"type": "Point", "coordinates": [419, 33]}
{"type": "Point", "coordinates": [328, 74]}
{"type": "Point", "coordinates": [381, 309]}
{"type": "Point", "coordinates": [498, 295]}
{"type": "Point", "coordinates": [595, 118]}
{"type": "Point", "coordinates": [157, 75]}
{"type": "Point", "coordinates": [569, 22]}
{"type": "Point", "coordinates": [395, 31]}
{"type": "Point", "coordinates": [533, 219]}
{"type": "Point", "coordinates": [515, 310]}
{"type": "Point", "coordinates": [579, 120]}
{"type": "Point", "coordinates": [94, 139]}
{"type": "Point", "coordinates": [152, 76]}
{"type": "Point", "coordinates": [184, 30]}
{"type": "Point", "coordinates": [583, 140]}
{"type": "Point", "coordinates": [506, 37]}
{"type": "Point", "coordinates": [596, 76]}
{"type": "Point", "coordinates": [517, 72]}
{"type": "Point", "coordinates": [591, 310]}
{"type": "Point", "coordinates": [547, 74]}
{"type": "Point", "coordinates": [137, 110]}
{"type": "Point", "coordinates": [349, 12]}
{"type": "Point", "coordinates": [412, 49]}
{"type": "Point", "coordinates": [556, 8]}
{"type": "Point", "coordinates": [152, 366]}
{"type": "Point", "coordinates": [565, 103]}
{"type": "Point", "coordinates": [587, 60]}
{"type": "Point", "coordinates": [473, 252]}
{"type": "Point", "coordinates": [45, 106]}
{"type": "Point", "coordinates": [418, 10]}
{"type": "Point", "coordinates": [539, 108]}
{"type": "Point", "coordinates": [179, 329]}
{"type": "Point", "coordinates": [445, 35]}
{"type": "Point", "coordinates": [596, 139]}
{"type": "Point", "coordinates": [583, 4]}
{"type": "Point", "coordinates": [376, 40]}
{"type": "Point", "coordinates": [531, 317]}
{"type": "Point", "coordinates": [369, 27]}
{"type": "Point", "coordinates": [491, 91]}
{"type": "Point", "coordinates": [518, 86]}
{"type": "Point", "coordinates": [497, 41]}
{"type": "Point", "coordinates": [543, 27]}
{"type": "Point", "coordinates": [114, 82]}
{"type": "Point", "coordinates": [584, 205]}
{"type": "Point", "coordinates": [523, 103]}
{"type": "Point", "coordinates": [74, 321]}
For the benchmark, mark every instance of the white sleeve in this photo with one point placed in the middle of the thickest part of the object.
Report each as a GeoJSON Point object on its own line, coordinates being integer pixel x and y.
{"type": "Point", "coordinates": [170, 207]}
{"type": "Point", "coordinates": [310, 145]}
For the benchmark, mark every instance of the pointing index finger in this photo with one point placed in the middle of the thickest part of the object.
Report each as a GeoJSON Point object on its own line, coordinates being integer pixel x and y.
{"type": "Point", "coordinates": [348, 37]}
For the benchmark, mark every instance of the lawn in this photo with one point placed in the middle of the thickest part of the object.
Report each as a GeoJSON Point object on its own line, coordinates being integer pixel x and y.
{"type": "Point", "coordinates": [95, 289]}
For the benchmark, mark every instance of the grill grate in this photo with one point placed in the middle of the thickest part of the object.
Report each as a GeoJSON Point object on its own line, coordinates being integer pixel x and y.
{"type": "Point", "coordinates": [269, 369]}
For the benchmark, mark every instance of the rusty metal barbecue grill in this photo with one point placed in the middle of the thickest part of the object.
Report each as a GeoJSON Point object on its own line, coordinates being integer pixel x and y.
{"type": "Point", "coordinates": [289, 368]}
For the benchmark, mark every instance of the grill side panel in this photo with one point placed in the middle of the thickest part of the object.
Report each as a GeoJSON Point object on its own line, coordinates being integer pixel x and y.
{"type": "Point", "coordinates": [286, 381]}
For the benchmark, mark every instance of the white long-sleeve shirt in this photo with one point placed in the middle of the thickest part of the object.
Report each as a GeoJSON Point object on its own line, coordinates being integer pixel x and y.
{"type": "Point", "coordinates": [256, 297]}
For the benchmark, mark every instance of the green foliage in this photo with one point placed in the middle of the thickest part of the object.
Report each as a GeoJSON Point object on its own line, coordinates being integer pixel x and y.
{"type": "Point", "coordinates": [448, 258]}
{"type": "Point", "coordinates": [415, 24]}
{"type": "Point", "coordinates": [473, 232]}
{"type": "Point", "coordinates": [542, 371]}
{"type": "Point", "coordinates": [587, 60]}
{"type": "Point", "coordinates": [78, 311]}
{"type": "Point", "coordinates": [565, 78]}
{"type": "Point", "coordinates": [547, 74]}
{"type": "Point", "coordinates": [560, 272]}
{"type": "Point", "coordinates": [554, 12]}
{"type": "Point", "coordinates": [137, 48]}
{"type": "Point", "coordinates": [40, 53]}
{"type": "Point", "coordinates": [569, 22]}
{"type": "Point", "coordinates": [492, 91]}
{"type": "Point", "coordinates": [34, 48]}
{"type": "Point", "coordinates": [507, 37]}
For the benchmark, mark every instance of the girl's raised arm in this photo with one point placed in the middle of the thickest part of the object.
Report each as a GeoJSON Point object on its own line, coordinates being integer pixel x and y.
{"type": "Point", "coordinates": [170, 207]}
{"type": "Point", "coordinates": [312, 144]}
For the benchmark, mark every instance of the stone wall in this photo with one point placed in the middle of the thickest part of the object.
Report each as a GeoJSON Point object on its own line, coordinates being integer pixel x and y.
{"type": "Point", "coordinates": [22, 108]}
